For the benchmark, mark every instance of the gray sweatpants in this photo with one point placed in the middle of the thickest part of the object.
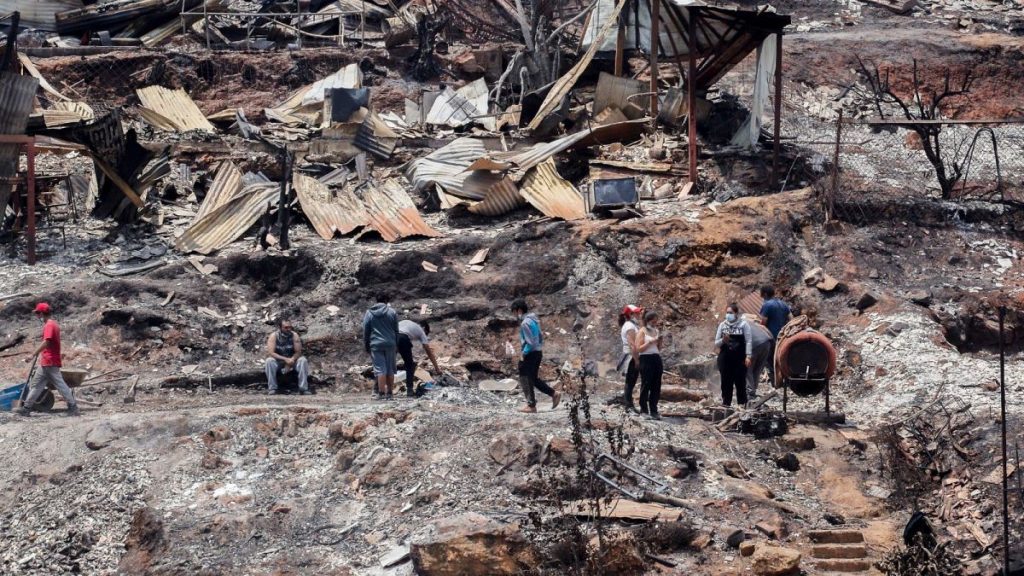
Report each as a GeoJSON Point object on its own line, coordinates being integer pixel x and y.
{"type": "Point", "coordinates": [49, 375]}
{"type": "Point", "coordinates": [274, 367]}
{"type": "Point", "coordinates": [760, 359]}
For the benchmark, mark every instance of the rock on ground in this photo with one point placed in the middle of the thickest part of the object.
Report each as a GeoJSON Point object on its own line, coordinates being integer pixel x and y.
{"type": "Point", "coordinates": [775, 561]}
{"type": "Point", "coordinates": [471, 545]}
{"type": "Point", "coordinates": [100, 437]}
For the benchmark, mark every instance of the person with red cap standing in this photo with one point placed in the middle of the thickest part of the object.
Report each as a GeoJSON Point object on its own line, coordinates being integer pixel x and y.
{"type": "Point", "coordinates": [49, 364]}
{"type": "Point", "coordinates": [629, 324]}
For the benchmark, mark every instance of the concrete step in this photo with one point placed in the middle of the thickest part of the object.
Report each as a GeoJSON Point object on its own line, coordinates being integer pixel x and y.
{"type": "Point", "coordinates": [842, 565]}
{"type": "Point", "coordinates": [828, 551]}
{"type": "Point", "coordinates": [836, 536]}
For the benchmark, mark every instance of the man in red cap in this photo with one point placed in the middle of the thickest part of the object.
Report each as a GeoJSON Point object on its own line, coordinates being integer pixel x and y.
{"type": "Point", "coordinates": [49, 364]}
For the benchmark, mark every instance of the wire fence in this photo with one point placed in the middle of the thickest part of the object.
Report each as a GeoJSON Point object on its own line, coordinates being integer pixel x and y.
{"type": "Point", "coordinates": [853, 158]}
{"type": "Point", "coordinates": [214, 80]}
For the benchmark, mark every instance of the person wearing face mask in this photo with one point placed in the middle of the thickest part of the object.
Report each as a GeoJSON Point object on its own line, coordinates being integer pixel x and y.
{"type": "Point", "coordinates": [284, 353]}
{"type": "Point", "coordinates": [647, 344]}
{"type": "Point", "coordinates": [734, 343]}
{"type": "Point", "coordinates": [629, 363]}
{"type": "Point", "coordinates": [50, 361]}
{"type": "Point", "coordinates": [531, 340]}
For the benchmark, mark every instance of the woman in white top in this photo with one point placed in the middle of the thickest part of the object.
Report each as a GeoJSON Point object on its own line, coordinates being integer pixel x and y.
{"type": "Point", "coordinates": [629, 320]}
{"type": "Point", "coordinates": [647, 344]}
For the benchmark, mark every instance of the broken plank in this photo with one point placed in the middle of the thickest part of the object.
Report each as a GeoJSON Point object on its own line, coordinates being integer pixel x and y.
{"type": "Point", "coordinates": [118, 181]}
{"type": "Point", "coordinates": [896, 6]}
{"type": "Point", "coordinates": [635, 166]}
{"type": "Point", "coordinates": [621, 508]}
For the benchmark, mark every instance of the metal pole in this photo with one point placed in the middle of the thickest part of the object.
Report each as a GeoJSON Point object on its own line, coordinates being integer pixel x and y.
{"type": "Point", "coordinates": [655, 48]}
{"type": "Point", "coordinates": [835, 167]}
{"type": "Point", "coordinates": [362, 24]}
{"type": "Point", "coordinates": [1002, 410]}
{"type": "Point", "coordinates": [778, 108]}
{"type": "Point", "coordinates": [206, 25]}
{"type": "Point", "coordinates": [691, 92]}
{"type": "Point", "coordinates": [30, 177]}
{"type": "Point", "coordinates": [298, 25]}
{"type": "Point", "coordinates": [181, 15]}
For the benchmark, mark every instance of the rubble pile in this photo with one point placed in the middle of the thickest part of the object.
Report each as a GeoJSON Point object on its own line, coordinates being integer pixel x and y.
{"type": "Point", "coordinates": [177, 178]}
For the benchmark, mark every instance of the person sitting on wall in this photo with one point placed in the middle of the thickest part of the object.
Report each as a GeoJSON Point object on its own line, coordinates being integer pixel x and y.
{"type": "Point", "coordinates": [284, 348]}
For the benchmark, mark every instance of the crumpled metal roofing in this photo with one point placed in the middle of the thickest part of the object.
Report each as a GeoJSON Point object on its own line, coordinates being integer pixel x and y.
{"type": "Point", "coordinates": [225, 223]}
{"type": "Point", "coordinates": [171, 110]}
{"type": "Point", "coordinates": [446, 167]}
{"type": "Point", "coordinates": [329, 212]}
{"type": "Point", "coordinates": [393, 214]}
{"type": "Point", "coordinates": [554, 196]}
{"type": "Point", "coordinates": [17, 96]}
{"type": "Point", "coordinates": [306, 104]}
{"type": "Point", "coordinates": [39, 14]}
{"type": "Point", "coordinates": [226, 184]}
{"type": "Point", "coordinates": [501, 198]}
{"type": "Point", "coordinates": [603, 134]}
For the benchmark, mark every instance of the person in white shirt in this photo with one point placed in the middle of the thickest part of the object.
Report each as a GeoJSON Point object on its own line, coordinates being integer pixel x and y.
{"type": "Point", "coordinates": [629, 323]}
{"type": "Point", "coordinates": [408, 333]}
{"type": "Point", "coordinates": [648, 344]}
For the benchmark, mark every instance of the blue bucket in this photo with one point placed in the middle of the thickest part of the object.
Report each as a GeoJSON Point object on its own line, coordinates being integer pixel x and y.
{"type": "Point", "coordinates": [9, 395]}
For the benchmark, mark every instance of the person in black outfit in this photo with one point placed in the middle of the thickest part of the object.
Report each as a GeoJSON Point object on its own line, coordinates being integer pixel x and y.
{"type": "Point", "coordinates": [735, 344]}
{"type": "Point", "coordinates": [648, 341]}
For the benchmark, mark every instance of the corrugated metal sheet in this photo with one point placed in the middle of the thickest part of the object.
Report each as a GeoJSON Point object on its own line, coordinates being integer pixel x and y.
{"type": "Point", "coordinates": [548, 192]}
{"type": "Point", "coordinates": [305, 105]}
{"type": "Point", "coordinates": [229, 221]}
{"type": "Point", "coordinates": [328, 212]}
{"type": "Point", "coordinates": [174, 107]}
{"type": "Point", "coordinates": [376, 137]}
{"type": "Point", "coordinates": [446, 167]}
{"type": "Point", "coordinates": [501, 198]}
{"type": "Point", "coordinates": [17, 95]}
{"type": "Point", "coordinates": [604, 134]}
{"type": "Point", "coordinates": [39, 14]}
{"type": "Point", "coordinates": [451, 109]}
{"type": "Point", "coordinates": [226, 185]}
{"type": "Point", "coordinates": [393, 214]}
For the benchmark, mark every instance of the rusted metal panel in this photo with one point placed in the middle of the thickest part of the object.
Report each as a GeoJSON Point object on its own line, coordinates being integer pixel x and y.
{"type": "Point", "coordinates": [39, 14]}
{"type": "Point", "coordinates": [501, 198]}
{"type": "Point", "coordinates": [393, 214]}
{"type": "Point", "coordinates": [226, 184]}
{"type": "Point", "coordinates": [329, 212]}
{"type": "Point", "coordinates": [229, 221]}
{"type": "Point", "coordinates": [17, 94]}
{"type": "Point", "coordinates": [616, 91]}
{"type": "Point", "coordinates": [172, 110]}
{"type": "Point", "coordinates": [548, 192]}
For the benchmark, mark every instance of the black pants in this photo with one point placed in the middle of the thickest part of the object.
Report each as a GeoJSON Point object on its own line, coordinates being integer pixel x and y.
{"type": "Point", "coordinates": [631, 375]}
{"type": "Point", "coordinates": [405, 351]}
{"type": "Point", "coordinates": [734, 376]}
{"type": "Point", "coordinates": [529, 377]}
{"type": "Point", "coordinates": [651, 370]}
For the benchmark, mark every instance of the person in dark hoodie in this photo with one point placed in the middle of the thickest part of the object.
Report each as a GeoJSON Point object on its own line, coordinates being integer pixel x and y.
{"type": "Point", "coordinates": [380, 338]}
{"type": "Point", "coordinates": [532, 342]}
{"type": "Point", "coordinates": [735, 345]}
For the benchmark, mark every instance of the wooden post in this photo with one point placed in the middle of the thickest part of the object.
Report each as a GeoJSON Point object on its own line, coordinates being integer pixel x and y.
{"type": "Point", "coordinates": [362, 25]}
{"type": "Point", "coordinates": [655, 17]}
{"type": "Point", "coordinates": [778, 108]}
{"type": "Point", "coordinates": [691, 92]}
{"type": "Point", "coordinates": [620, 46]}
{"type": "Point", "coordinates": [835, 167]}
{"type": "Point", "coordinates": [30, 177]}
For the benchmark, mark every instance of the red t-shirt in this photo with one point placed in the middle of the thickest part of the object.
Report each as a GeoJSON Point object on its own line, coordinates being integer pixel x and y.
{"type": "Point", "coordinates": [51, 354]}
